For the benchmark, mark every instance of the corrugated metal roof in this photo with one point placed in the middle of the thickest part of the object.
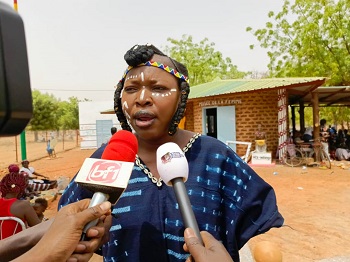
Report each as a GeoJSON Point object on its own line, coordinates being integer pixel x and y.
{"type": "Point", "coordinates": [327, 96]}
{"type": "Point", "coordinates": [220, 87]}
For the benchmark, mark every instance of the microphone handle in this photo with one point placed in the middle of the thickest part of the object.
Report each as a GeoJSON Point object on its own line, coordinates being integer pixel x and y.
{"type": "Point", "coordinates": [97, 199]}
{"type": "Point", "coordinates": [185, 206]}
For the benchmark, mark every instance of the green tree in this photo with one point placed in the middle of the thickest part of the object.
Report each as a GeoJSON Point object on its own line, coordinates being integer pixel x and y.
{"type": "Point", "coordinates": [203, 62]}
{"type": "Point", "coordinates": [308, 117]}
{"type": "Point", "coordinates": [309, 38]}
{"type": "Point", "coordinates": [336, 116]}
{"type": "Point", "coordinates": [44, 112]}
{"type": "Point", "coordinates": [69, 114]}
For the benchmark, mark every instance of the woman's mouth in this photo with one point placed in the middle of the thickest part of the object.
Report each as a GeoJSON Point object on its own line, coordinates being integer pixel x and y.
{"type": "Point", "coordinates": [144, 119]}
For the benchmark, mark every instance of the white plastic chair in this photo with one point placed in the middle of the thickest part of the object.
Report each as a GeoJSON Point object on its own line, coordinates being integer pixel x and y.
{"type": "Point", "coordinates": [19, 223]}
{"type": "Point", "coordinates": [248, 144]}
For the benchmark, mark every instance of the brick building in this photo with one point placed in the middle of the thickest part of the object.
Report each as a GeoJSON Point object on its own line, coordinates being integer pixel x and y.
{"type": "Point", "coordinates": [233, 109]}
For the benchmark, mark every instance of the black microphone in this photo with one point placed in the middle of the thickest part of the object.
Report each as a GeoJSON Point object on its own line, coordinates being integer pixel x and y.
{"type": "Point", "coordinates": [173, 169]}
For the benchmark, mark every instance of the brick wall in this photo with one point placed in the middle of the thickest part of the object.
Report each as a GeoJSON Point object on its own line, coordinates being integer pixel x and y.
{"type": "Point", "coordinates": [252, 108]}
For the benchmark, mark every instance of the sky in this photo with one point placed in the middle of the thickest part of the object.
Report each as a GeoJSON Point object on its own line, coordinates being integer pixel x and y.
{"type": "Point", "coordinates": [76, 47]}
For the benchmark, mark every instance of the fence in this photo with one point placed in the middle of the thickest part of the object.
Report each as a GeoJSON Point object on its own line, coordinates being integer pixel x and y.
{"type": "Point", "coordinates": [36, 142]}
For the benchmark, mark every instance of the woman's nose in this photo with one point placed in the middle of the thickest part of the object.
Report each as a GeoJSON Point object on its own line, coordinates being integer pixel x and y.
{"type": "Point", "coordinates": [144, 97]}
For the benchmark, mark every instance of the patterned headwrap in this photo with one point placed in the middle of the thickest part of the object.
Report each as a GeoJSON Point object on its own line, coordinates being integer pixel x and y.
{"type": "Point", "coordinates": [13, 183]}
{"type": "Point", "coordinates": [13, 168]}
{"type": "Point", "coordinates": [161, 66]}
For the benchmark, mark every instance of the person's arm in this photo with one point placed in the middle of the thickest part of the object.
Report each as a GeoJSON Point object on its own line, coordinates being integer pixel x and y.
{"type": "Point", "coordinates": [37, 174]}
{"type": "Point", "coordinates": [63, 237]}
{"type": "Point", "coordinates": [29, 214]}
{"type": "Point", "coordinates": [16, 245]}
{"type": "Point", "coordinates": [24, 210]}
{"type": "Point", "coordinates": [213, 250]}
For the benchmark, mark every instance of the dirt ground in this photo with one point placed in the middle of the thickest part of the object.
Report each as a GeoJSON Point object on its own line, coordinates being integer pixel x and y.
{"type": "Point", "coordinates": [314, 202]}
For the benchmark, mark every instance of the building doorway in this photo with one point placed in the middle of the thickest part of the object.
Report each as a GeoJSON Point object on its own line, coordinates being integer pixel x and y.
{"type": "Point", "coordinates": [103, 131]}
{"type": "Point", "coordinates": [211, 122]}
{"type": "Point", "coordinates": [220, 122]}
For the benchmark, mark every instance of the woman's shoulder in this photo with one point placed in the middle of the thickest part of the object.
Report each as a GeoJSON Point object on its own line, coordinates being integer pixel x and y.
{"type": "Point", "coordinates": [202, 142]}
{"type": "Point", "coordinates": [211, 140]}
{"type": "Point", "coordinates": [21, 203]}
{"type": "Point", "coordinates": [212, 144]}
{"type": "Point", "coordinates": [21, 207]}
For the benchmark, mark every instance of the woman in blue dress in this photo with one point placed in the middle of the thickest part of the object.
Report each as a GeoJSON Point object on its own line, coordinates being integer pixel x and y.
{"type": "Point", "coordinates": [228, 198]}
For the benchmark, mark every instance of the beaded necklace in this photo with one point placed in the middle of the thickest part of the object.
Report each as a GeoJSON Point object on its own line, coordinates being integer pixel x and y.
{"type": "Point", "coordinates": [155, 180]}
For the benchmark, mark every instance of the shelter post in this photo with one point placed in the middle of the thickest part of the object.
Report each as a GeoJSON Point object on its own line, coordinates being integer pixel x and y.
{"type": "Point", "coordinates": [316, 117]}
{"type": "Point", "coordinates": [301, 116]}
{"type": "Point", "coordinates": [293, 120]}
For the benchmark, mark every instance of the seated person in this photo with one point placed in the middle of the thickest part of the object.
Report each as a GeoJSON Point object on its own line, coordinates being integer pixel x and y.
{"type": "Point", "coordinates": [40, 205]}
{"type": "Point", "coordinates": [12, 187]}
{"type": "Point", "coordinates": [30, 171]}
{"type": "Point", "coordinates": [34, 183]}
{"type": "Point", "coordinates": [308, 134]}
{"type": "Point", "coordinates": [347, 139]}
{"type": "Point", "coordinates": [13, 168]}
{"type": "Point", "coordinates": [342, 154]}
{"type": "Point", "coordinates": [297, 137]}
{"type": "Point", "coordinates": [39, 243]}
{"type": "Point", "coordinates": [29, 192]}
{"type": "Point", "coordinates": [340, 139]}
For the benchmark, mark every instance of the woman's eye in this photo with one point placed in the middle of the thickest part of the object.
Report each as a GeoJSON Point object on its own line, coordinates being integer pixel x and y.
{"type": "Point", "coordinates": [130, 89]}
{"type": "Point", "coordinates": [159, 88]}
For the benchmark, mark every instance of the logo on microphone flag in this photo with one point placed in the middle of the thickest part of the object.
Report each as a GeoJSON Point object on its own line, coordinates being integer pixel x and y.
{"type": "Point", "coordinates": [169, 155]}
{"type": "Point", "coordinates": [105, 172]}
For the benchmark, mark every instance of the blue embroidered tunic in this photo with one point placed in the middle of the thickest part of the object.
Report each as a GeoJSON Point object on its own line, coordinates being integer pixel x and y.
{"type": "Point", "coordinates": [229, 200]}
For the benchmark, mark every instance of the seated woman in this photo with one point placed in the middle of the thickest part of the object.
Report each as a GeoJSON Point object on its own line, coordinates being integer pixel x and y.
{"type": "Point", "coordinates": [342, 154]}
{"type": "Point", "coordinates": [12, 187]}
{"type": "Point", "coordinates": [34, 183]}
{"type": "Point", "coordinates": [308, 134]}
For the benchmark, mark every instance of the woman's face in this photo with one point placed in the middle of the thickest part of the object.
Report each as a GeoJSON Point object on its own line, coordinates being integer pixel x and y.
{"type": "Point", "coordinates": [150, 98]}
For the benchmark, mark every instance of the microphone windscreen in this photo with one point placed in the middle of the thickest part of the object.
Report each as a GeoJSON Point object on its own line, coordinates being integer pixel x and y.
{"type": "Point", "coordinates": [111, 173]}
{"type": "Point", "coordinates": [171, 163]}
{"type": "Point", "coordinates": [122, 146]}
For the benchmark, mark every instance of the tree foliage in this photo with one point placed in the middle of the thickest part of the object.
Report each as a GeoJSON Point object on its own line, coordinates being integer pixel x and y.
{"type": "Point", "coordinates": [337, 116]}
{"type": "Point", "coordinates": [44, 112]}
{"type": "Point", "coordinates": [203, 62]}
{"type": "Point", "coordinates": [309, 38]}
{"type": "Point", "coordinates": [49, 113]}
{"type": "Point", "coordinates": [69, 114]}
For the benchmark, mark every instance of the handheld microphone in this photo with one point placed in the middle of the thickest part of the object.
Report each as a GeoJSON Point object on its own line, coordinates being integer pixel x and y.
{"type": "Point", "coordinates": [173, 169]}
{"type": "Point", "coordinates": [108, 177]}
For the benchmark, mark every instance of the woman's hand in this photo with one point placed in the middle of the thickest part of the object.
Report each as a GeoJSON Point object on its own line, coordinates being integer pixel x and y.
{"type": "Point", "coordinates": [212, 250]}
